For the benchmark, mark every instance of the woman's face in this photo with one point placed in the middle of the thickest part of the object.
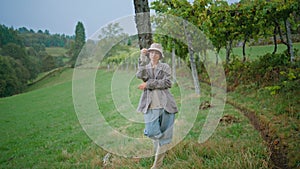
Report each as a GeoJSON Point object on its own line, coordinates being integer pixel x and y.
{"type": "Point", "coordinates": [154, 56]}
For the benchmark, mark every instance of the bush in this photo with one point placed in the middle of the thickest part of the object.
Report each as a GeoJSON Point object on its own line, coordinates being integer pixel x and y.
{"type": "Point", "coordinates": [13, 76]}
{"type": "Point", "coordinates": [268, 71]}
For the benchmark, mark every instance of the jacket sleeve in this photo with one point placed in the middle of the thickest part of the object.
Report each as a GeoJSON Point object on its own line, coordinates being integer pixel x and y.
{"type": "Point", "coordinates": [163, 83]}
{"type": "Point", "coordinates": [142, 72]}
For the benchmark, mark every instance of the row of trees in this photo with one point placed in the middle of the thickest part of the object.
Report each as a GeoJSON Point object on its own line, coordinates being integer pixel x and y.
{"type": "Point", "coordinates": [28, 38]}
{"type": "Point", "coordinates": [226, 24]}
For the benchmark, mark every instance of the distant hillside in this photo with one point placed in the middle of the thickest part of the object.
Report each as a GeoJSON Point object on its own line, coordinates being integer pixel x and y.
{"type": "Point", "coordinates": [24, 54]}
{"type": "Point", "coordinates": [52, 78]}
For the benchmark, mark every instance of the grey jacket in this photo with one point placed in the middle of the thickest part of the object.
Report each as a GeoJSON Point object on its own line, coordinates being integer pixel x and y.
{"type": "Point", "coordinates": [159, 80]}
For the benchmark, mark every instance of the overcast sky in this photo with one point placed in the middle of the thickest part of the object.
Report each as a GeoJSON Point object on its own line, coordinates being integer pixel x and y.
{"type": "Point", "coordinates": [61, 16]}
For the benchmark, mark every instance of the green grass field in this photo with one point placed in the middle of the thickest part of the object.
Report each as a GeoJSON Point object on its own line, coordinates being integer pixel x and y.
{"type": "Point", "coordinates": [56, 51]}
{"type": "Point", "coordinates": [40, 129]}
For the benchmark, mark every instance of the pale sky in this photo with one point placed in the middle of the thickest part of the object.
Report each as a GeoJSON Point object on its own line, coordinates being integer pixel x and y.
{"type": "Point", "coordinates": [61, 16]}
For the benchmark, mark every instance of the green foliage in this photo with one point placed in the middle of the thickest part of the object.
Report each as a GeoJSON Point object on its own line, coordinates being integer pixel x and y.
{"type": "Point", "coordinates": [17, 68]}
{"type": "Point", "coordinates": [122, 50]}
{"type": "Point", "coordinates": [48, 63]}
{"type": "Point", "coordinates": [273, 89]}
{"type": "Point", "coordinates": [169, 43]}
{"type": "Point", "coordinates": [121, 54]}
{"type": "Point", "coordinates": [28, 38]}
{"type": "Point", "coordinates": [112, 30]}
{"type": "Point", "coordinates": [270, 76]}
{"type": "Point", "coordinates": [129, 43]}
{"type": "Point", "coordinates": [9, 35]}
{"type": "Point", "coordinates": [115, 50]}
{"type": "Point", "coordinates": [13, 76]}
{"type": "Point", "coordinates": [79, 43]}
{"type": "Point", "coordinates": [272, 72]}
{"type": "Point", "coordinates": [23, 54]}
{"type": "Point", "coordinates": [79, 35]}
{"type": "Point", "coordinates": [20, 55]}
{"type": "Point", "coordinates": [239, 22]}
{"type": "Point", "coordinates": [116, 59]}
{"type": "Point", "coordinates": [15, 51]}
{"type": "Point", "coordinates": [44, 39]}
{"type": "Point", "coordinates": [38, 47]}
{"type": "Point", "coordinates": [174, 26]}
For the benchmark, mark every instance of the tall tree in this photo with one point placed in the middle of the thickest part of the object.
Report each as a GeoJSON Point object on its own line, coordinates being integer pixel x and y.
{"type": "Point", "coordinates": [220, 27]}
{"type": "Point", "coordinates": [277, 14]}
{"type": "Point", "coordinates": [191, 56]}
{"type": "Point", "coordinates": [291, 6]}
{"type": "Point", "coordinates": [143, 24]}
{"type": "Point", "coordinates": [79, 43]}
{"type": "Point", "coordinates": [112, 30]}
{"type": "Point", "coordinates": [186, 11]}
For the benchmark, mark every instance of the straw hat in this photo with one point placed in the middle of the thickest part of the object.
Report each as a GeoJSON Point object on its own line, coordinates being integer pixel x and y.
{"type": "Point", "coordinates": [156, 47]}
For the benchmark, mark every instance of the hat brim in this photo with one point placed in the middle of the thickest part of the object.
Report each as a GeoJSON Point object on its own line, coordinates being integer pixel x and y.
{"type": "Point", "coordinates": [154, 49]}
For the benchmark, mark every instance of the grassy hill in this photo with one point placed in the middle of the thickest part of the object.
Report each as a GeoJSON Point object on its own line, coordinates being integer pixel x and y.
{"type": "Point", "coordinates": [40, 129]}
{"type": "Point", "coordinates": [56, 51]}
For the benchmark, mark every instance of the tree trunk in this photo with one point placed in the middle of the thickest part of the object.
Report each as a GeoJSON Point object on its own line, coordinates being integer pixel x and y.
{"type": "Point", "coordinates": [244, 49]}
{"type": "Point", "coordinates": [199, 56]}
{"type": "Point", "coordinates": [217, 58]}
{"type": "Point", "coordinates": [179, 63]}
{"type": "Point", "coordinates": [191, 54]}
{"type": "Point", "coordinates": [204, 56]}
{"type": "Point", "coordinates": [174, 66]}
{"type": "Point", "coordinates": [143, 24]}
{"type": "Point", "coordinates": [275, 40]}
{"type": "Point", "coordinates": [289, 39]}
{"type": "Point", "coordinates": [280, 33]}
{"type": "Point", "coordinates": [228, 49]}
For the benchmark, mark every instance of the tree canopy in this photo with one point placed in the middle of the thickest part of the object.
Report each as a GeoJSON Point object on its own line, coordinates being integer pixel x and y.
{"type": "Point", "coordinates": [226, 25]}
{"type": "Point", "coordinates": [78, 44]}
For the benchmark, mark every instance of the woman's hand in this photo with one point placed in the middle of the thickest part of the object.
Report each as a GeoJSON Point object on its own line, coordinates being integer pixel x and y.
{"type": "Point", "coordinates": [143, 56]}
{"type": "Point", "coordinates": [144, 52]}
{"type": "Point", "coordinates": [142, 86]}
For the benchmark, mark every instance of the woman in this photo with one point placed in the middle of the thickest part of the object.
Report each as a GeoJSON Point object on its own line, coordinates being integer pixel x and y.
{"type": "Point", "coordinates": [156, 102]}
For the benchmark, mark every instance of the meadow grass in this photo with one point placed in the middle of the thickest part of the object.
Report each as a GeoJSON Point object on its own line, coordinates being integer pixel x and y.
{"type": "Point", "coordinates": [56, 51]}
{"type": "Point", "coordinates": [233, 145]}
{"type": "Point", "coordinates": [59, 77]}
{"type": "Point", "coordinates": [280, 112]}
{"type": "Point", "coordinates": [40, 129]}
{"type": "Point", "coordinates": [252, 52]}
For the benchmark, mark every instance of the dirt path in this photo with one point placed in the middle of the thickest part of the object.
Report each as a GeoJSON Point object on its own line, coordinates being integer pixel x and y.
{"type": "Point", "coordinates": [278, 151]}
